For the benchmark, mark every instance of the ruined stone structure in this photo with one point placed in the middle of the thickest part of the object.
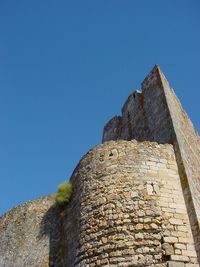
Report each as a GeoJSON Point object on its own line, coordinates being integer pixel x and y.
{"type": "Point", "coordinates": [136, 197]}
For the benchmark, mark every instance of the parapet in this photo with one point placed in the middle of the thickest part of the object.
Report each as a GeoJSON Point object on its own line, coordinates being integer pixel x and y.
{"type": "Point", "coordinates": [145, 114]}
{"type": "Point", "coordinates": [112, 128]}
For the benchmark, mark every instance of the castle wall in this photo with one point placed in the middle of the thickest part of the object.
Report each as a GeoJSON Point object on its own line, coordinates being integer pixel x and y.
{"type": "Point", "coordinates": [127, 209]}
{"type": "Point", "coordinates": [160, 117]}
{"type": "Point", "coordinates": [145, 115]}
{"type": "Point", "coordinates": [30, 235]}
{"type": "Point", "coordinates": [112, 129]}
{"type": "Point", "coordinates": [133, 203]}
{"type": "Point", "coordinates": [132, 210]}
{"type": "Point", "coordinates": [134, 125]}
{"type": "Point", "coordinates": [188, 156]}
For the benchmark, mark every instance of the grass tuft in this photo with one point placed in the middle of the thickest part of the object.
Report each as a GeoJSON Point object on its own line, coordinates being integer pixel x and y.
{"type": "Point", "coordinates": [64, 193]}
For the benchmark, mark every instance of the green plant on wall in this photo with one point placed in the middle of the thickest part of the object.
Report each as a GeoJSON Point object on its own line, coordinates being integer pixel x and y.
{"type": "Point", "coordinates": [63, 194]}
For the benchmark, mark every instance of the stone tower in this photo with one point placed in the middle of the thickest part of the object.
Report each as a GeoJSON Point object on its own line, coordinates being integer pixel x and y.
{"type": "Point", "coordinates": [135, 198]}
{"type": "Point", "coordinates": [155, 114]}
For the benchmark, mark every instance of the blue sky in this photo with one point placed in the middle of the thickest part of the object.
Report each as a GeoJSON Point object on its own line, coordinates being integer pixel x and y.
{"type": "Point", "coordinates": [66, 67]}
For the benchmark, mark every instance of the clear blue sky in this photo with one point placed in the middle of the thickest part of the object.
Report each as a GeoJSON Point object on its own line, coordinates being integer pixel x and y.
{"type": "Point", "coordinates": [66, 67]}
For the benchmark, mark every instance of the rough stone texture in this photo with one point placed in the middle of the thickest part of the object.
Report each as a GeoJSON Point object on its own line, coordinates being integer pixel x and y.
{"type": "Point", "coordinates": [134, 203]}
{"type": "Point", "coordinates": [176, 264]}
{"type": "Point", "coordinates": [156, 114]}
{"type": "Point", "coordinates": [187, 149]}
{"type": "Point", "coordinates": [40, 233]}
{"type": "Point", "coordinates": [127, 209]}
{"type": "Point", "coordinates": [132, 209]}
{"type": "Point", "coordinates": [30, 235]}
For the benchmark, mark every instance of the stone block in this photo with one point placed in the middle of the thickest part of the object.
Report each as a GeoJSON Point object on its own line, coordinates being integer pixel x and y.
{"type": "Point", "coordinates": [179, 258]}
{"type": "Point", "coordinates": [175, 221]}
{"type": "Point", "coordinates": [179, 246]}
{"type": "Point", "coordinates": [175, 264]}
{"type": "Point", "coordinates": [169, 250]}
{"type": "Point", "coordinates": [170, 239]}
{"type": "Point", "coordinates": [190, 253]}
{"type": "Point", "coordinates": [191, 265]}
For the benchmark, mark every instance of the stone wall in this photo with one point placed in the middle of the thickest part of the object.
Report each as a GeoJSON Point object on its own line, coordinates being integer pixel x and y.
{"type": "Point", "coordinates": [188, 157]}
{"type": "Point", "coordinates": [131, 205]}
{"type": "Point", "coordinates": [156, 114]}
{"type": "Point", "coordinates": [127, 209]}
{"type": "Point", "coordinates": [145, 115]}
{"type": "Point", "coordinates": [132, 210]}
{"type": "Point", "coordinates": [41, 233]}
{"type": "Point", "coordinates": [31, 235]}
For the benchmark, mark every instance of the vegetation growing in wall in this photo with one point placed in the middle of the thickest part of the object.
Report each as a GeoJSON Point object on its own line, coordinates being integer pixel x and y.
{"type": "Point", "coordinates": [63, 194]}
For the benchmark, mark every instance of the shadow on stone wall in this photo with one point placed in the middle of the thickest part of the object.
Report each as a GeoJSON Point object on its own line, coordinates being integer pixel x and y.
{"type": "Point", "coordinates": [52, 226]}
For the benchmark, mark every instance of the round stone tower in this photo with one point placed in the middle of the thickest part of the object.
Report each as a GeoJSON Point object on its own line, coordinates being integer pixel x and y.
{"type": "Point", "coordinates": [128, 208]}
{"type": "Point", "coordinates": [128, 202]}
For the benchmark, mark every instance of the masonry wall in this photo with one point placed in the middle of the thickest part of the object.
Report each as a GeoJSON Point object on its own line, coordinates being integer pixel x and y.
{"type": "Point", "coordinates": [133, 203]}
{"type": "Point", "coordinates": [30, 235]}
{"type": "Point", "coordinates": [188, 156]}
{"type": "Point", "coordinates": [145, 115]}
{"type": "Point", "coordinates": [156, 114]}
{"type": "Point", "coordinates": [127, 209]}
{"type": "Point", "coordinates": [132, 210]}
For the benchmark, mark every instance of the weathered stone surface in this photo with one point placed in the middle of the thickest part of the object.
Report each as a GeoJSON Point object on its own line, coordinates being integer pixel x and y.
{"type": "Point", "coordinates": [156, 114]}
{"type": "Point", "coordinates": [122, 205]}
{"type": "Point", "coordinates": [175, 264]}
{"type": "Point", "coordinates": [128, 203]}
{"type": "Point", "coordinates": [30, 235]}
{"type": "Point", "coordinates": [114, 217]}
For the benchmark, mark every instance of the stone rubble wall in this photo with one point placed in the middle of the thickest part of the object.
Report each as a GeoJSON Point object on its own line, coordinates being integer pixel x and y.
{"type": "Point", "coordinates": [132, 210]}
{"type": "Point", "coordinates": [156, 114]}
{"type": "Point", "coordinates": [133, 203]}
{"type": "Point", "coordinates": [30, 235]}
{"type": "Point", "coordinates": [127, 209]}
{"type": "Point", "coordinates": [40, 233]}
